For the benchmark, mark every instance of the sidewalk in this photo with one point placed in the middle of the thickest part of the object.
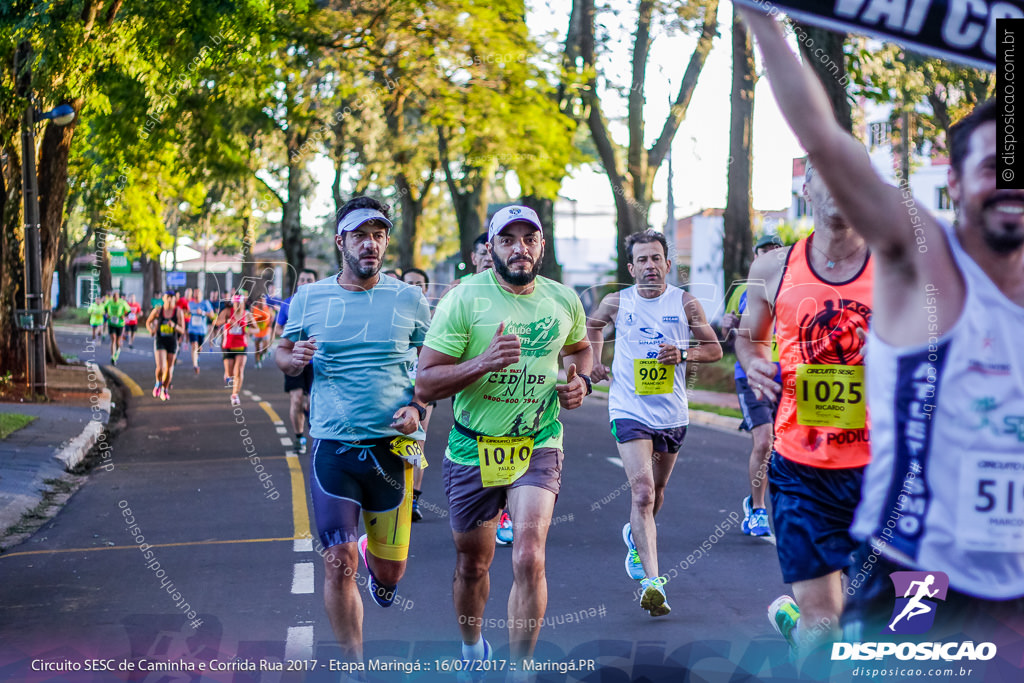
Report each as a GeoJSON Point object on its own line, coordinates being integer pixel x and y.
{"type": "Point", "coordinates": [35, 461]}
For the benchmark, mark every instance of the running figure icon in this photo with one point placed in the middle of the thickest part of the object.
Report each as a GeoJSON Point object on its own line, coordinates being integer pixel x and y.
{"type": "Point", "coordinates": [915, 607]}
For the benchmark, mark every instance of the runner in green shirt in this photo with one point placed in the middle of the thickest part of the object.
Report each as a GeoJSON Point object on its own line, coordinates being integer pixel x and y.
{"type": "Point", "coordinates": [116, 309]}
{"type": "Point", "coordinates": [494, 343]}
{"type": "Point", "coordinates": [96, 310]}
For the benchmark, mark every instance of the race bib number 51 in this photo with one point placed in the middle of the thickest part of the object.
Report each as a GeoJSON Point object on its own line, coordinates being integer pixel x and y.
{"type": "Point", "coordinates": [651, 377]}
{"type": "Point", "coordinates": [831, 396]}
{"type": "Point", "coordinates": [990, 508]}
{"type": "Point", "coordinates": [503, 459]}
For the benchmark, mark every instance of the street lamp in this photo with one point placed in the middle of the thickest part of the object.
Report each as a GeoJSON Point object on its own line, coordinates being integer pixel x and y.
{"type": "Point", "coordinates": [35, 317]}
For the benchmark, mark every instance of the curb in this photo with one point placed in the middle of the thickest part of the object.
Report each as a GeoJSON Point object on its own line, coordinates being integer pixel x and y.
{"type": "Point", "coordinates": [73, 453]}
{"type": "Point", "coordinates": [705, 419]}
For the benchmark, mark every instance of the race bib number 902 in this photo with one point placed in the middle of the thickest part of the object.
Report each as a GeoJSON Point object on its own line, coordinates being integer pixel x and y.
{"type": "Point", "coordinates": [651, 377]}
{"type": "Point", "coordinates": [831, 396]}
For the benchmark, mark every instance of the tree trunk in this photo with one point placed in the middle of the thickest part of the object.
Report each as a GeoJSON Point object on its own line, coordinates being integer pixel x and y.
{"type": "Point", "coordinates": [545, 208]}
{"type": "Point", "coordinates": [832, 71]}
{"type": "Point", "coordinates": [737, 245]}
{"type": "Point", "coordinates": [106, 281]}
{"type": "Point", "coordinates": [630, 217]}
{"type": "Point", "coordinates": [291, 225]}
{"type": "Point", "coordinates": [411, 209]}
{"type": "Point", "coordinates": [12, 266]}
{"type": "Point", "coordinates": [151, 281]}
{"type": "Point", "coordinates": [52, 173]}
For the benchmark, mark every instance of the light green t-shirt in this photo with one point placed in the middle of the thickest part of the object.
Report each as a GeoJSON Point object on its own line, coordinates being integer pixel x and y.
{"type": "Point", "coordinates": [117, 310]}
{"type": "Point", "coordinates": [96, 310]}
{"type": "Point", "coordinates": [519, 400]}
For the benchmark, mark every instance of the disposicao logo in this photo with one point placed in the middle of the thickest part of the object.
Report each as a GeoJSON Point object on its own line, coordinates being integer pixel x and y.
{"type": "Point", "coordinates": [914, 612]}
{"type": "Point", "coordinates": [917, 599]}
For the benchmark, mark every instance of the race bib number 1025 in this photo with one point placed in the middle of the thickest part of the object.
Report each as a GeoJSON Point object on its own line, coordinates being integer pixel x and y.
{"type": "Point", "coordinates": [831, 396]}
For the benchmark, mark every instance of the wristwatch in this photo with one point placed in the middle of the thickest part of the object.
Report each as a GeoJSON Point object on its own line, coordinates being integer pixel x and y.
{"type": "Point", "coordinates": [419, 409]}
{"type": "Point", "coordinates": [590, 385]}
{"type": "Point", "coordinates": [683, 353]}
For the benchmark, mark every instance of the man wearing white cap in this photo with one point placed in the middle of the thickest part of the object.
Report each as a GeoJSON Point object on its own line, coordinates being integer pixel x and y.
{"type": "Point", "coordinates": [494, 344]}
{"type": "Point", "coordinates": [360, 331]}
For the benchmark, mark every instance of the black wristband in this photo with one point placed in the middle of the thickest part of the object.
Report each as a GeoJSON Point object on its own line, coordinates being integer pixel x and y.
{"type": "Point", "coordinates": [419, 409]}
{"type": "Point", "coordinates": [590, 385]}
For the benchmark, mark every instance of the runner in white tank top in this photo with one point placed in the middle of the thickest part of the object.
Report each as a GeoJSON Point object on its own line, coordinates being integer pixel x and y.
{"type": "Point", "coordinates": [654, 324]}
{"type": "Point", "coordinates": [944, 492]}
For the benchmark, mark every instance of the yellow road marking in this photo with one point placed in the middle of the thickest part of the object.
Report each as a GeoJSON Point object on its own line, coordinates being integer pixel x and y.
{"type": "Point", "coordinates": [300, 513]}
{"type": "Point", "coordinates": [152, 545]}
{"type": "Point", "coordinates": [270, 411]}
{"type": "Point", "coordinates": [134, 388]}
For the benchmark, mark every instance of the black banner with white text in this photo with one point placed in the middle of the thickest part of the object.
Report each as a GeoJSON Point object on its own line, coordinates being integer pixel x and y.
{"type": "Point", "coordinates": [957, 30]}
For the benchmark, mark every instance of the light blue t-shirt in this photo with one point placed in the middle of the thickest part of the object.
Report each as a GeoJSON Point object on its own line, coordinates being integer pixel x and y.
{"type": "Point", "coordinates": [366, 348]}
{"type": "Point", "coordinates": [198, 323]}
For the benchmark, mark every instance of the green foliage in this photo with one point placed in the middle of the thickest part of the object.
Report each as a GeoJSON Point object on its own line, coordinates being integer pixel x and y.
{"type": "Point", "coordinates": [932, 93]}
{"type": "Point", "coordinates": [791, 233]}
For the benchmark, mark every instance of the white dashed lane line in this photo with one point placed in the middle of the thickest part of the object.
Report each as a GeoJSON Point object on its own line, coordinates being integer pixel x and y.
{"type": "Point", "coordinates": [302, 579]}
{"type": "Point", "coordinates": [299, 643]}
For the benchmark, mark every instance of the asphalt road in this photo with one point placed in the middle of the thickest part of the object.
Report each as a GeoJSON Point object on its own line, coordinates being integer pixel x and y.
{"type": "Point", "coordinates": [226, 580]}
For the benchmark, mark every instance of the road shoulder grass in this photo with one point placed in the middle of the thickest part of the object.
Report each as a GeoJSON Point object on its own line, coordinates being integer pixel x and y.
{"type": "Point", "coordinates": [12, 422]}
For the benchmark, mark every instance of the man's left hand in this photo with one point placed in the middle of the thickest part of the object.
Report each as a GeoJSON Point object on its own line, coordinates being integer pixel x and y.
{"type": "Point", "coordinates": [570, 394]}
{"type": "Point", "coordinates": [406, 420]}
{"type": "Point", "coordinates": [669, 355]}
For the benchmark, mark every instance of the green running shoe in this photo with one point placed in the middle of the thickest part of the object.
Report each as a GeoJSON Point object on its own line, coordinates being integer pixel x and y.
{"type": "Point", "coordinates": [653, 599]}
{"type": "Point", "coordinates": [784, 615]}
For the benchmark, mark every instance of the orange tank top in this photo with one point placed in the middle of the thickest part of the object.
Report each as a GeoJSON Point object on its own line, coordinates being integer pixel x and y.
{"type": "Point", "coordinates": [822, 419]}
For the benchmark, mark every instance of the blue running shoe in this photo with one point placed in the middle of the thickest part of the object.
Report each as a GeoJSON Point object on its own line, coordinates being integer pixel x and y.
{"type": "Point", "coordinates": [634, 567]}
{"type": "Point", "coordinates": [382, 595]}
{"type": "Point", "coordinates": [755, 520]}
{"type": "Point", "coordinates": [653, 599]}
{"type": "Point", "coordinates": [504, 534]}
{"type": "Point", "coordinates": [469, 674]}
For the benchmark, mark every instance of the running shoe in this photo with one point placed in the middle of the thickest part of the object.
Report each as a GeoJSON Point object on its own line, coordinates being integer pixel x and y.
{"type": "Point", "coordinates": [196, 368]}
{"type": "Point", "coordinates": [417, 516]}
{"type": "Point", "coordinates": [164, 396]}
{"type": "Point", "coordinates": [504, 534]}
{"type": "Point", "coordinates": [156, 390]}
{"type": "Point", "coordinates": [784, 615]}
{"type": "Point", "coordinates": [634, 567]}
{"type": "Point", "coordinates": [468, 676]}
{"type": "Point", "coordinates": [653, 599]}
{"type": "Point", "coordinates": [755, 520]}
{"type": "Point", "coordinates": [235, 401]}
{"type": "Point", "coordinates": [381, 595]}
{"type": "Point", "coordinates": [302, 445]}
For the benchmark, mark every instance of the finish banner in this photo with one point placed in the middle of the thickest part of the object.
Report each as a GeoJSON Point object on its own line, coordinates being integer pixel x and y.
{"type": "Point", "coordinates": [957, 30]}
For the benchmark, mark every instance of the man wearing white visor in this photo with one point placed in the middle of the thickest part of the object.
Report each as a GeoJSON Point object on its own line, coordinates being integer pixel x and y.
{"type": "Point", "coordinates": [361, 332]}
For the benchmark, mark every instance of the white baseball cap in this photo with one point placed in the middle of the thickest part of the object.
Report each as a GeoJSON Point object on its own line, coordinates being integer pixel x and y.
{"type": "Point", "coordinates": [509, 215]}
{"type": "Point", "coordinates": [353, 219]}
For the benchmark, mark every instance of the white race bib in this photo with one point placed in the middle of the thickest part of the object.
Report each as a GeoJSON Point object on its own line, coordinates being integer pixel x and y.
{"type": "Point", "coordinates": [990, 511]}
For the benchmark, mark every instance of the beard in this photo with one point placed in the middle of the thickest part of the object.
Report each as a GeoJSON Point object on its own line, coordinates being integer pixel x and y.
{"type": "Point", "coordinates": [517, 278]}
{"type": "Point", "coordinates": [1001, 236]}
{"type": "Point", "coordinates": [359, 270]}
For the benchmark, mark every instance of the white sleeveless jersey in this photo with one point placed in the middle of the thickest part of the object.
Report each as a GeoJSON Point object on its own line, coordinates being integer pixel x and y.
{"type": "Point", "coordinates": [945, 487]}
{"type": "Point", "coordinates": [640, 326]}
